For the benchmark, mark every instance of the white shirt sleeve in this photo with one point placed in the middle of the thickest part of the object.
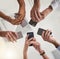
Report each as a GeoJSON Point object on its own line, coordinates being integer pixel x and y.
{"type": "Point", "coordinates": [55, 4]}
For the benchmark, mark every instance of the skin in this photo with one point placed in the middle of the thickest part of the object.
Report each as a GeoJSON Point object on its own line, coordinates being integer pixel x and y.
{"type": "Point", "coordinates": [21, 12]}
{"type": "Point", "coordinates": [35, 13]}
{"type": "Point", "coordinates": [11, 36]}
{"type": "Point", "coordinates": [47, 37]}
{"type": "Point", "coordinates": [38, 16]}
{"type": "Point", "coordinates": [19, 18]}
{"type": "Point", "coordinates": [36, 45]}
{"type": "Point", "coordinates": [46, 12]}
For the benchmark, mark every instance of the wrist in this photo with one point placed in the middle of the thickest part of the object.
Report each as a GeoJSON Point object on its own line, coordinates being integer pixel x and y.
{"type": "Point", "coordinates": [2, 33]}
{"type": "Point", "coordinates": [42, 52]}
{"type": "Point", "coordinates": [55, 43]}
{"type": "Point", "coordinates": [21, 8]}
{"type": "Point", "coordinates": [37, 4]}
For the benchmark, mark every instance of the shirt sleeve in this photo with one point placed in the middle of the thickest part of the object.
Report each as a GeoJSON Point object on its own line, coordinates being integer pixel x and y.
{"type": "Point", "coordinates": [58, 48]}
{"type": "Point", "coordinates": [55, 3]}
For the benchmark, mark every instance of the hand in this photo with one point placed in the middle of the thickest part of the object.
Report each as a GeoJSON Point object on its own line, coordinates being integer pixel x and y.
{"type": "Point", "coordinates": [11, 36]}
{"type": "Point", "coordinates": [37, 45]}
{"type": "Point", "coordinates": [20, 16]}
{"type": "Point", "coordinates": [35, 14]}
{"type": "Point", "coordinates": [47, 37]}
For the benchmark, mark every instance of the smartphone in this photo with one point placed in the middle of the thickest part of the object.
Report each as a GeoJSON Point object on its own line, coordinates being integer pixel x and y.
{"type": "Point", "coordinates": [31, 34]}
{"type": "Point", "coordinates": [40, 30]}
{"type": "Point", "coordinates": [32, 23]}
{"type": "Point", "coordinates": [19, 34]}
{"type": "Point", "coordinates": [24, 23]}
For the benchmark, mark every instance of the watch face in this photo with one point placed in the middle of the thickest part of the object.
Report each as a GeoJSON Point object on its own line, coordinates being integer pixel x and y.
{"type": "Point", "coordinates": [32, 23]}
{"type": "Point", "coordinates": [31, 34]}
{"type": "Point", "coordinates": [19, 35]}
{"type": "Point", "coordinates": [40, 31]}
{"type": "Point", "coordinates": [24, 23]}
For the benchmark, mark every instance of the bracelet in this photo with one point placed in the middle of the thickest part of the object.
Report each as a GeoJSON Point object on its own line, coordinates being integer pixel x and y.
{"type": "Point", "coordinates": [42, 53]}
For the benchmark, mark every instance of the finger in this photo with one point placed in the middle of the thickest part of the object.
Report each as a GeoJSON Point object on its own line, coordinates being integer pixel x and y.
{"type": "Point", "coordinates": [36, 16]}
{"type": "Point", "coordinates": [48, 35]}
{"type": "Point", "coordinates": [34, 39]}
{"type": "Point", "coordinates": [32, 42]}
{"type": "Point", "coordinates": [15, 34]}
{"type": "Point", "coordinates": [39, 15]}
{"type": "Point", "coordinates": [27, 37]}
{"type": "Point", "coordinates": [17, 21]}
{"type": "Point", "coordinates": [10, 38]}
{"type": "Point", "coordinates": [12, 35]}
{"type": "Point", "coordinates": [43, 34]}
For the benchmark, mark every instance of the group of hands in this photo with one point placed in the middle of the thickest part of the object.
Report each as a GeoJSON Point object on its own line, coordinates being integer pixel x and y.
{"type": "Point", "coordinates": [19, 17]}
{"type": "Point", "coordinates": [45, 36]}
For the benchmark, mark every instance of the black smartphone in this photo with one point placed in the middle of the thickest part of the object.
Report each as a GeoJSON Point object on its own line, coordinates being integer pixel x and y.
{"type": "Point", "coordinates": [32, 23]}
{"type": "Point", "coordinates": [40, 30]}
{"type": "Point", "coordinates": [31, 34]}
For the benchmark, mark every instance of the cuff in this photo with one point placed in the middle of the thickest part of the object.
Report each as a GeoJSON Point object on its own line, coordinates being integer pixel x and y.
{"type": "Point", "coordinates": [58, 48]}
{"type": "Point", "coordinates": [54, 4]}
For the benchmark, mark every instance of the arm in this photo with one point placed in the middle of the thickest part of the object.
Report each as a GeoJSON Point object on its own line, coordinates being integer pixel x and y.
{"type": "Point", "coordinates": [2, 33]}
{"type": "Point", "coordinates": [11, 36]}
{"type": "Point", "coordinates": [47, 37]}
{"type": "Point", "coordinates": [37, 3]}
{"type": "Point", "coordinates": [47, 11]}
{"type": "Point", "coordinates": [25, 54]}
{"type": "Point", "coordinates": [21, 12]}
{"type": "Point", "coordinates": [35, 11]}
{"type": "Point", "coordinates": [21, 5]}
{"type": "Point", "coordinates": [37, 46]}
{"type": "Point", "coordinates": [42, 53]}
{"type": "Point", "coordinates": [5, 17]}
{"type": "Point", "coordinates": [27, 43]}
{"type": "Point", "coordinates": [54, 4]}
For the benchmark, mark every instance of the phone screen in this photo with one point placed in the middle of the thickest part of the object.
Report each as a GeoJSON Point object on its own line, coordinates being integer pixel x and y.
{"type": "Point", "coordinates": [40, 30]}
{"type": "Point", "coordinates": [32, 23]}
{"type": "Point", "coordinates": [31, 34]}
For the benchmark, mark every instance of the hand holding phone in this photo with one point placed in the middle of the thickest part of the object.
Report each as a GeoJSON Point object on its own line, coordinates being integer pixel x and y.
{"type": "Point", "coordinates": [40, 31]}
{"type": "Point", "coordinates": [31, 34]}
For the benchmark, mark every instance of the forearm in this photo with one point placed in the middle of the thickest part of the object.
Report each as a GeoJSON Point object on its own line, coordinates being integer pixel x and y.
{"type": "Point", "coordinates": [55, 43]}
{"type": "Point", "coordinates": [47, 11]}
{"type": "Point", "coordinates": [37, 3]}
{"type": "Point", "coordinates": [25, 55]}
{"type": "Point", "coordinates": [42, 53]}
{"type": "Point", "coordinates": [5, 17]}
{"type": "Point", "coordinates": [45, 56]}
{"type": "Point", "coordinates": [21, 5]}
